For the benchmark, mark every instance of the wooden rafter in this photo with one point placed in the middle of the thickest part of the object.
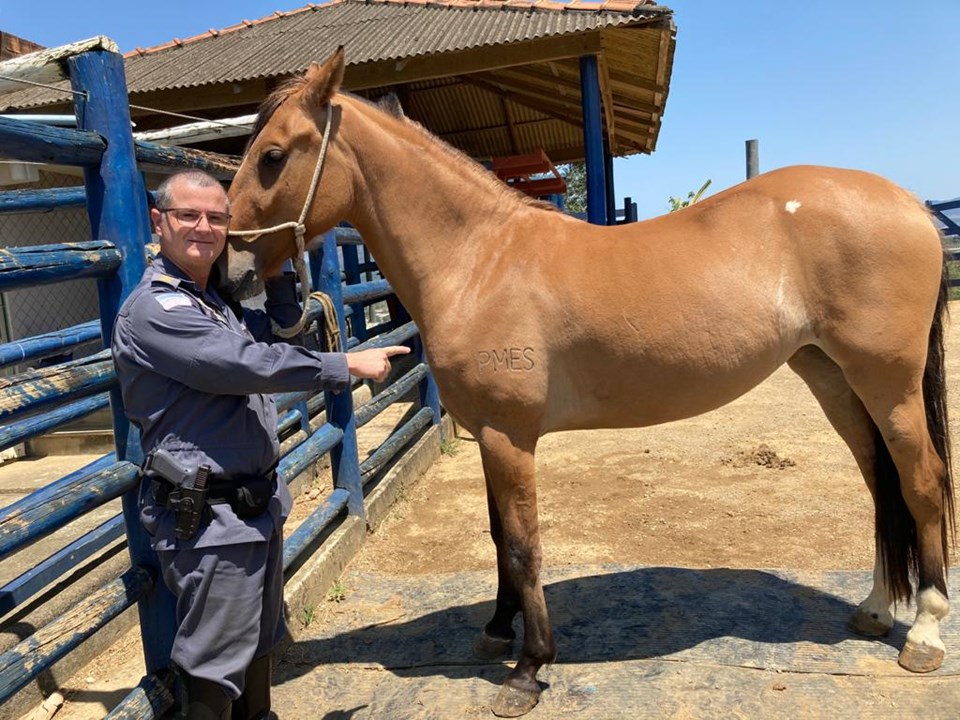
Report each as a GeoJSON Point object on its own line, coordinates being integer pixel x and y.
{"type": "Point", "coordinates": [608, 108]}
{"type": "Point", "coordinates": [511, 130]}
{"type": "Point", "coordinates": [558, 110]}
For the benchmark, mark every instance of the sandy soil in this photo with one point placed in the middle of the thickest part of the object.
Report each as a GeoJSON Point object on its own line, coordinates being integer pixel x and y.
{"type": "Point", "coordinates": [764, 482]}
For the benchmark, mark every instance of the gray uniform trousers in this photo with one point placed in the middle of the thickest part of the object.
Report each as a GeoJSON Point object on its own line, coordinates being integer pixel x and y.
{"type": "Point", "coordinates": [228, 581]}
{"type": "Point", "coordinates": [229, 608]}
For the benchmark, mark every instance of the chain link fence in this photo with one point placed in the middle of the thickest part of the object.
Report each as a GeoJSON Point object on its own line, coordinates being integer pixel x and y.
{"type": "Point", "coordinates": [36, 310]}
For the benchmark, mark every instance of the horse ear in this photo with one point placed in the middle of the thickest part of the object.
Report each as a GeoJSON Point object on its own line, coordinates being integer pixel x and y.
{"type": "Point", "coordinates": [324, 80]}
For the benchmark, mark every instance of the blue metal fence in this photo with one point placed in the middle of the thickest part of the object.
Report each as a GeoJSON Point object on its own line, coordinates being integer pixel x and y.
{"type": "Point", "coordinates": [37, 401]}
{"type": "Point", "coordinates": [951, 229]}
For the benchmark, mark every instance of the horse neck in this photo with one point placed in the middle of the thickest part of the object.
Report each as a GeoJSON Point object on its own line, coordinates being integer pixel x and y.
{"type": "Point", "coordinates": [425, 214]}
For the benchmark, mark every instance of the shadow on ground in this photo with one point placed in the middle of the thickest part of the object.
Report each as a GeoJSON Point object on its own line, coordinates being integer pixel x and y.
{"type": "Point", "coordinates": [744, 618]}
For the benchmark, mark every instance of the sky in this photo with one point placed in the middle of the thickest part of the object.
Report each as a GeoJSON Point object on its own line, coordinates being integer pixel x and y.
{"type": "Point", "coordinates": [850, 83]}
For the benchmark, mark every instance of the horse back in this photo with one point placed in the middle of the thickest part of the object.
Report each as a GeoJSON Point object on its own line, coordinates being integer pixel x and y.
{"type": "Point", "coordinates": [586, 326]}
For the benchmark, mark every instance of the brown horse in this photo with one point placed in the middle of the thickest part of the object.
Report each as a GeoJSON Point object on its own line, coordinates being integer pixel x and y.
{"type": "Point", "coordinates": [838, 273]}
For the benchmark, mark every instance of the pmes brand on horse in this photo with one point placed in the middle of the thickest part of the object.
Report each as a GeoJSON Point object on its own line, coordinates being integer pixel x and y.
{"type": "Point", "coordinates": [838, 273]}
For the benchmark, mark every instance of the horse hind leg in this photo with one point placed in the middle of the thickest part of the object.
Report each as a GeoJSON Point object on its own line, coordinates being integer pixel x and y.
{"type": "Point", "coordinates": [914, 496]}
{"type": "Point", "coordinates": [509, 470]}
{"type": "Point", "coordinates": [846, 413]}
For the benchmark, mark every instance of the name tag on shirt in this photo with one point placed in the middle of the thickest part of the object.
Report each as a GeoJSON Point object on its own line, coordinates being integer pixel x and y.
{"type": "Point", "coordinates": [168, 301]}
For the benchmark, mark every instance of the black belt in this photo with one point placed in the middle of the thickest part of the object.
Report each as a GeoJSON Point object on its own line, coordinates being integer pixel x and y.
{"type": "Point", "coordinates": [248, 495]}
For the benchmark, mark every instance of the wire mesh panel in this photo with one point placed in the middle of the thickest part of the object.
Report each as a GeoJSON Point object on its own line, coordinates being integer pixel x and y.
{"type": "Point", "coordinates": [36, 310]}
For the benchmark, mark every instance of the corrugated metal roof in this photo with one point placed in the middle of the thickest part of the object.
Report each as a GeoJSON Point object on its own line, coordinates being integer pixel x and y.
{"type": "Point", "coordinates": [370, 31]}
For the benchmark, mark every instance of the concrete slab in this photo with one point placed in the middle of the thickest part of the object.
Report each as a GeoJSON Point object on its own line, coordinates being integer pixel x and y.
{"type": "Point", "coordinates": [633, 642]}
{"type": "Point", "coordinates": [25, 475]}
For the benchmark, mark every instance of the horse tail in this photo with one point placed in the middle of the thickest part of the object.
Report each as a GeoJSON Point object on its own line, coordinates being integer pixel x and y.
{"type": "Point", "coordinates": [896, 531]}
{"type": "Point", "coordinates": [935, 401]}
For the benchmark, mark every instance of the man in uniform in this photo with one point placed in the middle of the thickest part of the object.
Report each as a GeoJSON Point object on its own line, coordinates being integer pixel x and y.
{"type": "Point", "coordinates": [195, 376]}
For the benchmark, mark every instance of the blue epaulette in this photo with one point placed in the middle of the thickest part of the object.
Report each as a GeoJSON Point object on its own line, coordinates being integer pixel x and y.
{"type": "Point", "coordinates": [164, 279]}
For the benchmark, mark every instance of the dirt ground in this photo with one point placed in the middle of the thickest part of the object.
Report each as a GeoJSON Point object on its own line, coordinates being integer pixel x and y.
{"type": "Point", "coordinates": [764, 482]}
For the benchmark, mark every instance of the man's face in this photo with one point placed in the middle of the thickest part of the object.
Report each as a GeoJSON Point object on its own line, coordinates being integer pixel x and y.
{"type": "Point", "coordinates": [193, 230]}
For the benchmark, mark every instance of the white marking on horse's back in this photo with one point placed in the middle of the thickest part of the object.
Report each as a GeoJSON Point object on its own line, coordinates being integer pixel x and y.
{"type": "Point", "coordinates": [792, 206]}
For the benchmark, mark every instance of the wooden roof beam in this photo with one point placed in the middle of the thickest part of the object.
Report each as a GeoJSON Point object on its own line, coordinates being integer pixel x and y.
{"type": "Point", "coordinates": [608, 108]}
{"type": "Point", "coordinates": [518, 125]}
{"type": "Point", "coordinates": [535, 92]}
{"type": "Point", "coordinates": [196, 99]}
{"type": "Point", "coordinates": [614, 85]}
{"type": "Point", "coordinates": [557, 111]}
{"type": "Point", "coordinates": [511, 129]}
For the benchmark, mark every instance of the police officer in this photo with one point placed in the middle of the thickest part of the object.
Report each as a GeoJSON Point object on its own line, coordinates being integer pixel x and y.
{"type": "Point", "coordinates": [195, 375]}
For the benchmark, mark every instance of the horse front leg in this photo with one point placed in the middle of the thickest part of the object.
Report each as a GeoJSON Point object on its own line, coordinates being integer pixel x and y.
{"type": "Point", "coordinates": [509, 469]}
{"type": "Point", "coordinates": [498, 634]}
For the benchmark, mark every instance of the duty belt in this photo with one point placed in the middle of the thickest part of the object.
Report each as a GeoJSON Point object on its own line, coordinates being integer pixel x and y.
{"type": "Point", "coordinates": [248, 495]}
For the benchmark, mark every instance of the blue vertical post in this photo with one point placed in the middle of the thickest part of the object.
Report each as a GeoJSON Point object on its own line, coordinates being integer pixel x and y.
{"type": "Point", "coordinates": [593, 140]}
{"type": "Point", "coordinates": [344, 457]}
{"type": "Point", "coordinates": [351, 267]}
{"type": "Point", "coordinates": [116, 204]}
{"type": "Point", "coordinates": [367, 259]}
{"type": "Point", "coordinates": [429, 395]}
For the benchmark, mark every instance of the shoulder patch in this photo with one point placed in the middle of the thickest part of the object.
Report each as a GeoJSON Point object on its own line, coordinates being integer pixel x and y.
{"type": "Point", "coordinates": [164, 279]}
{"type": "Point", "coordinates": [168, 301]}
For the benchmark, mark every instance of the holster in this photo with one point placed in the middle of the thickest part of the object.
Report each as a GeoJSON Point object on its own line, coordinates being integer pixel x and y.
{"type": "Point", "coordinates": [248, 495]}
{"type": "Point", "coordinates": [187, 491]}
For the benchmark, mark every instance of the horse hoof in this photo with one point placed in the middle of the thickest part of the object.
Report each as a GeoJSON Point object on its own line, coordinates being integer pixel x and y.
{"type": "Point", "coordinates": [514, 702]}
{"type": "Point", "coordinates": [488, 647]}
{"type": "Point", "coordinates": [920, 658]}
{"type": "Point", "coordinates": [867, 624]}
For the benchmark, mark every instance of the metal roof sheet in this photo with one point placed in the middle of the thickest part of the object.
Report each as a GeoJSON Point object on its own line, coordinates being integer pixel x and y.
{"type": "Point", "coordinates": [369, 30]}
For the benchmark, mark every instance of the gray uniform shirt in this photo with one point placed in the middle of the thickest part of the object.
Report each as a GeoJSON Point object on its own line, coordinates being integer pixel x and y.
{"type": "Point", "coordinates": [196, 380]}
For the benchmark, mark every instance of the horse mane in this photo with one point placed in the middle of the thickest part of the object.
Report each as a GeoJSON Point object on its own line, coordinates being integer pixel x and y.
{"type": "Point", "coordinates": [295, 84]}
{"type": "Point", "coordinates": [395, 111]}
{"type": "Point", "coordinates": [271, 104]}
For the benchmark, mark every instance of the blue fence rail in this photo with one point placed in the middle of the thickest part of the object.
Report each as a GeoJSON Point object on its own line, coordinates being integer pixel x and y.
{"type": "Point", "coordinates": [35, 401]}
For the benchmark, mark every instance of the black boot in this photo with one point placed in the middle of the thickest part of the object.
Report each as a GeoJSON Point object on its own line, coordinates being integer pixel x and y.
{"type": "Point", "coordinates": [254, 704]}
{"type": "Point", "coordinates": [202, 699]}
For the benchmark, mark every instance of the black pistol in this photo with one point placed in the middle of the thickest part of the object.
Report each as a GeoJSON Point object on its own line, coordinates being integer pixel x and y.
{"type": "Point", "coordinates": [189, 496]}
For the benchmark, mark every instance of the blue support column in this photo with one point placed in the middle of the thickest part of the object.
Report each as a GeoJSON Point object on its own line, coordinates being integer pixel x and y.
{"type": "Point", "coordinates": [593, 140]}
{"type": "Point", "coordinates": [351, 267]}
{"type": "Point", "coordinates": [116, 202]}
{"type": "Point", "coordinates": [429, 395]}
{"type": "Point", "coordinates": [344, 457]}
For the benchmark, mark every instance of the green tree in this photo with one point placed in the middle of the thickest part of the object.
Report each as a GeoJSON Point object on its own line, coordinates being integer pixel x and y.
{"type": "Point", "coordinates": [575, 175]}
{"type": "Point", "coordinates": [692, 197]}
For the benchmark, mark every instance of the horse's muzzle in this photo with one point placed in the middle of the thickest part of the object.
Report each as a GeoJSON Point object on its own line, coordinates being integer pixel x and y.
{"type": "Point", "coordinates": [240, 286]}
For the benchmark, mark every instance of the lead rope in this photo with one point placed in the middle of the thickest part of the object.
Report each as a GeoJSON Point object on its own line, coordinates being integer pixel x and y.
{"type": "Point", "coordinates": [299, 230]}
{"type": "Point", "coordinates": [333, 342]}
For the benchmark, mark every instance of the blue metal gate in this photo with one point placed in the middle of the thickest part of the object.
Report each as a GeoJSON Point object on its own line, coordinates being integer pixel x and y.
{"type": "Point", "coordinates": [36, 401]}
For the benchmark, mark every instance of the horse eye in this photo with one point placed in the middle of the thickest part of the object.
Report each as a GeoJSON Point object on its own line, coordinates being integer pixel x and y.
{"type": "Point", "coordinates": [273, 157]}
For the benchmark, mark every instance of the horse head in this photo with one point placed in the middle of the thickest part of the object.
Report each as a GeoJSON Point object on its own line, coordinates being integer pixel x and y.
{"type": "Point", "coordinates": [271, 187]}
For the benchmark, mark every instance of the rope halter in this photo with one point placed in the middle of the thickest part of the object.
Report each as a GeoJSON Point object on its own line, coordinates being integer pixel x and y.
{"type": "Point", "coordinates": [299, 231]}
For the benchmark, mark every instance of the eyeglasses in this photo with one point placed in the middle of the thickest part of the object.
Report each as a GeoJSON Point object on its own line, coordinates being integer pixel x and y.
{"type": "Point", "coordinates": [191, 218]}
